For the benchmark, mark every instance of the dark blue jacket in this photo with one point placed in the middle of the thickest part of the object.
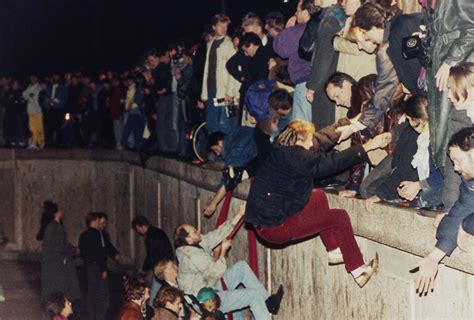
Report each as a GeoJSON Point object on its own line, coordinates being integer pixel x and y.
{"type": "Point", "coordinates": [283, 185]}
{"type": "Point", "coordinates": [239, 147]}
{"type": "Point", "coordinates": [60, 94]}
{"type": "Point", "coordinates": [468, 224]}
{"type": "Point", "coordinates": [447, 232]}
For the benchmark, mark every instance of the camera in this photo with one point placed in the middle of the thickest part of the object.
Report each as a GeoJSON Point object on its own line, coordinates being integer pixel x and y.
{"type": "Point", "coordinates": [416, 46]}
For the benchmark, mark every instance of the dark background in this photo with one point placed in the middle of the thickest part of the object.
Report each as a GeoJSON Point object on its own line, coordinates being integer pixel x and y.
{"type": "Point", "coordinates": [42, 36]}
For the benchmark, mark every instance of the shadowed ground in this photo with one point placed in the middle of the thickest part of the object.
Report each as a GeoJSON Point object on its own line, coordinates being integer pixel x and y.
{"type": "Point", "coordinates": [21, 287]}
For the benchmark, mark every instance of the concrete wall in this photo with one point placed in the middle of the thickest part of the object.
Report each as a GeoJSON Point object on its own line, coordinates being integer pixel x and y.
{"type": "Point", "coordinates": [171, 192]}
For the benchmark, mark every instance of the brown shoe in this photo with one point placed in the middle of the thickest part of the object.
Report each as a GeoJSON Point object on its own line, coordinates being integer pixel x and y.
{"type": "Point", "coordinates": [370, 269]}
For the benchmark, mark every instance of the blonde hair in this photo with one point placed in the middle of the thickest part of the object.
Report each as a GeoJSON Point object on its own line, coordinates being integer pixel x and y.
{"type": "Point", "coordinates": [461, 79]}
{"type": "Point", "coordinates": [296, 131]}
{"type": "Point", "coordinates": [160, 267]}
{"type": "Point", "coordinates": [353, 34]}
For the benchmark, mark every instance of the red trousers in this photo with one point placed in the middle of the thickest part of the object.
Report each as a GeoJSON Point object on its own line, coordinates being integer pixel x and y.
{"type": "Point", "coordinates": [333, 225]}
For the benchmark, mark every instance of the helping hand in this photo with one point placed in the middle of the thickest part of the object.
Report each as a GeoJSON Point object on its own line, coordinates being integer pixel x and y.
{"type": "Point", "coordinates": [428, 269]}
{"type": "Point", "coordinates": [409, 190]}
{"type": "Point", "coordinates": [346, 132]}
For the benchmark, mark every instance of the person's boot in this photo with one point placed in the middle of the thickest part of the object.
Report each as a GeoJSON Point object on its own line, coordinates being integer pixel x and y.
{"type": "Point", "coordinates": [273, 302]}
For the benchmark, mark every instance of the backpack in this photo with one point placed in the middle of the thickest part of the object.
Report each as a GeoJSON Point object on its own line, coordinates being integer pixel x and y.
{"type": "Point", "coordinates": [256, 98]}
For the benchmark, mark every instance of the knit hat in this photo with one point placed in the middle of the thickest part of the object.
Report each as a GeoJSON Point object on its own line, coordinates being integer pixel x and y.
{"type": "Point", "coordinates": [206, 294]}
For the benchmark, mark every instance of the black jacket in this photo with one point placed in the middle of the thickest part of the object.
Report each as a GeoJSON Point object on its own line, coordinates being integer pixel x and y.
{"type": "Point", "coordinates": [309, 37]}
{"type": "Point", "coordinates": [157, 247]}
{"type": "Point", "coordinates": [93, 250]}
{"type": "Point", "coordinates": [258, 64]}
{"type": "Point", "coordinates": [404, 25]}
{"type": "Point", "coordinates": [283, 186]}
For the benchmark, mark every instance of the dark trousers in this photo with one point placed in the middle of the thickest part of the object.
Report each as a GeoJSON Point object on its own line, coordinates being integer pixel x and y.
{"type": "Point", "coordinates": [97, 293]}
{"type": "Point", "coordinates": [333, 225]}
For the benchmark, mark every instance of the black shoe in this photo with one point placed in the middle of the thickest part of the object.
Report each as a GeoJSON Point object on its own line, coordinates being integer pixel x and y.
{"type": "Point", "coordinates": [273, 302]}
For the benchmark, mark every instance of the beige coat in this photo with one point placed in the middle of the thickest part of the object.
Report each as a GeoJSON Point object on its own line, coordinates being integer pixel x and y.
{"type": "Point", "coordinates": [226, 84]}
{"type": "Point", "coordinates": [197, 267]}
{"type": "Point", "coordinates": [354, 62]}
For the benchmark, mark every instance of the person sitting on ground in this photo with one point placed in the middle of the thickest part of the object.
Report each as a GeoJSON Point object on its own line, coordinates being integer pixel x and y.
{"type": "Point", "coordinates": [199, 269]}
{"type": "Point", "coordinates": [283, 207]}
{"type": "Point", "coordinates": [210, 304]}
{"type": "Point", "coordinates": [168, 304]}
{"type": "Point", "coordinates": [413, 176]}
{"type": "Point", "coordinates": [136, 295]}
{"type": "Point", "coordinates": [461, 152]}
{"type": "Point", "coordinates": [59, 306]}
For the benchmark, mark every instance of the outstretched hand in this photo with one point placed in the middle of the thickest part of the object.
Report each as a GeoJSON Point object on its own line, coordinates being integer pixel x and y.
{"type": "Point", "coordinates": [346, 133]}
{"type": "Point", "coordinates": [239, 215]}
{"type": "Point", "coordinates": [427, 271]}
{"type": "Point", "coordinates": [209, 210]}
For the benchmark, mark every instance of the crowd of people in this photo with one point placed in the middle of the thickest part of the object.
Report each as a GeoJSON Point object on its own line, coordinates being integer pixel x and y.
{"type": "Point", "coordinates": [353, 95]}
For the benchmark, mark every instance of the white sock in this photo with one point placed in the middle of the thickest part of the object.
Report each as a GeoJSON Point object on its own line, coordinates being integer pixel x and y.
{"type": "Point", "coordinates": [357, 272]}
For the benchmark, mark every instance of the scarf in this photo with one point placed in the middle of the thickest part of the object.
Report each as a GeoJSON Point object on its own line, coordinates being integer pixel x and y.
{"type": "Point", "coordinates": [421, 159]}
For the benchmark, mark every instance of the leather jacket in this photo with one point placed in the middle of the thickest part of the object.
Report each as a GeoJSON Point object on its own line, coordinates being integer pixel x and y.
{"type": "Point", "coordinates": [309, 37]}
{"type": "Point", "coordinates": [452, 41]}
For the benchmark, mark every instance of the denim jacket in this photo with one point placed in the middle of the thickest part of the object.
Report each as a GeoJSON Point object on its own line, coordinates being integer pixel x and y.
{"type": "Point", "coordinates": [447, 231]}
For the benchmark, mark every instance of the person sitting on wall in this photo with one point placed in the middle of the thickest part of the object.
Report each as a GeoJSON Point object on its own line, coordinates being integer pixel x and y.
{"type": "Point", "coordinates": [461, 152]}
{"type": "Point", "coordinates": [199, 269]}
{"type": "Point", "coordinates": [283, 207]}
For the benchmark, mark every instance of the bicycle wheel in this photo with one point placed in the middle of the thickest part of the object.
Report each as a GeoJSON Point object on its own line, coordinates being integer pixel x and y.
{"type": "Point", "coordinates": [199, 141]}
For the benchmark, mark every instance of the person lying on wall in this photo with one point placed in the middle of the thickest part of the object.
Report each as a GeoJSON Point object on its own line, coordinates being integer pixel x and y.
{"type": "Point", "coordinates": [199, 269]}
{"type": "Point", "coordinates": [448, 235]}
{"type": "Point", "coordinates": [283, 207]}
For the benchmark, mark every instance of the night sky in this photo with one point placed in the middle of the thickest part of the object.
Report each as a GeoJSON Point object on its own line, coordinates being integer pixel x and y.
{"type": "Point", "coordinates": [42, 36]}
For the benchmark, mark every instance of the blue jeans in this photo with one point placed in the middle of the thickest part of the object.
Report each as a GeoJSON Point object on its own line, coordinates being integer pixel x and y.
{"type": "Point", "coordinates": [253, 295]}
{"type": "Point", "coordinates": [301, 107]}
{"type": "Point", "coordinates": [97, 294]}
{"type": "Point", "coordinates": [134, 125]}
{"type": "Point", "coordinates": [430, 198]}
{"type": "Point", "coordinates": [216, 118]}
{"type": "Point", "coordinates": [155, 287]}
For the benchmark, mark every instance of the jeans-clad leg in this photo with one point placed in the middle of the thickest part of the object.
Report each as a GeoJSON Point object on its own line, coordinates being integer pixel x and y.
{"type": "Point", "coordinates": [253, 295]}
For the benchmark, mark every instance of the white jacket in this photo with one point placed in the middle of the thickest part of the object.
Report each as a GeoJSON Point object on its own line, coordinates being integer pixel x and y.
{"type": "Point", "coordinates": [197, 267]}
{"type": "Point", "coordinates": [225, 84]}
{"type": "Point", "coordinates": [31, 95]}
